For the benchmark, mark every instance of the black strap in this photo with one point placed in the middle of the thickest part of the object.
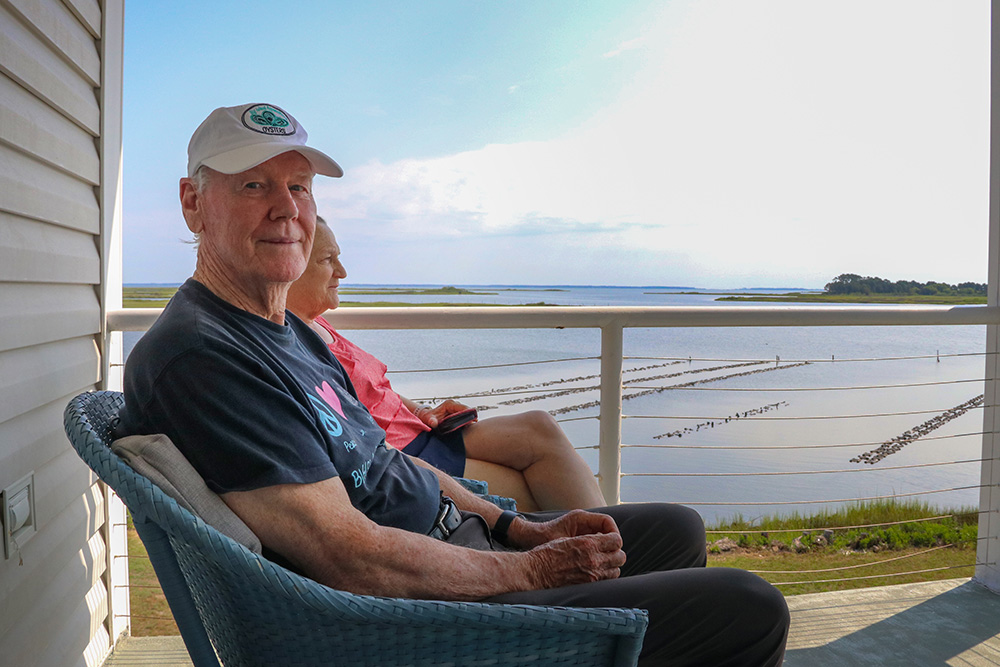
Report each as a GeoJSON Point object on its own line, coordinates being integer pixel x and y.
{"type": "Point", "coordinates": [499, 531]}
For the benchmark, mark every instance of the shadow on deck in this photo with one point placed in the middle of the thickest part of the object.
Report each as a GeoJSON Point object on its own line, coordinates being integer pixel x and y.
{"type": "Point", "coordinates": [953, 622]}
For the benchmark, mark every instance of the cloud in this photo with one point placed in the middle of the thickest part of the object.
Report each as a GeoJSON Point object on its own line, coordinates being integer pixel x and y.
{"type": "Point", "coordinates": [729, 158]}
{"type": "Point", "coordinates": [630, 45]}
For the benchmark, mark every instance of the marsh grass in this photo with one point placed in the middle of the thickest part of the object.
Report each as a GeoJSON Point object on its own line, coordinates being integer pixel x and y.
{"type": "Point", "coordinates": [860, 546]}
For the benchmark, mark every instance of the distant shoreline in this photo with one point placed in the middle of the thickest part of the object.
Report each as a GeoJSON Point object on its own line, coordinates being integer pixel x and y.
{"type": "Point", "coordinates": [150, 296]}
{"type": "Point", "coordinates": [924, 299]}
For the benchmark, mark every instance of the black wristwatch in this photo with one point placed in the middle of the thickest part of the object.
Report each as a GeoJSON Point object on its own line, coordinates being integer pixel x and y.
{"type": "Point", "coordinates": [499, 530]}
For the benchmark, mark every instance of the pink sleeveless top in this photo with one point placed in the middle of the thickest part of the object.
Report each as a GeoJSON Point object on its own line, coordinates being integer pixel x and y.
{"type": "Point", "coordinates": [368, 375]}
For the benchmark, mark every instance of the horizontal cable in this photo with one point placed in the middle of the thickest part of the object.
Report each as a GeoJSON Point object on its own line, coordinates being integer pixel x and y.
{"type": "Point", "coordinates": [578, 419]}
{"type": "Point", "coordinates": [863, 525]}
{"type": "Point", "coordinates": [855, 567]}
{"type": "Point", "coordinates": [802, 418]}
{"type": "Point", "coordinates": [874, 576]}
{"type": "Point", "coordinates": [797, 472]}
{"type": "Point", "coordinates": [790, 447]}
{"type": "Point", "coordinates": [146, 618]}
{"type": "Point", "coordinates": [818, 360]}
{"type": "Point", "coordinates": [473, 368]}
{"type": "Point", "coordinates": [835, 500]}
{"type": "Point", "coordinates": [873, 386]}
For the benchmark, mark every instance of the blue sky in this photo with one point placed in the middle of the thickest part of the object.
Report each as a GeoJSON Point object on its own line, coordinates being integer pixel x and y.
{"type": "Point", "coordinates": [716, 143]}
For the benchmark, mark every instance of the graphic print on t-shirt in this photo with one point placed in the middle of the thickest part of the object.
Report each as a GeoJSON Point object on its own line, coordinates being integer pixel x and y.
{"type": "Point", "coordinates": [327, 393]}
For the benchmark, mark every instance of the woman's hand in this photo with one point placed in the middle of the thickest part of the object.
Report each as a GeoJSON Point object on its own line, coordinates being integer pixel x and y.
{"type": "Point", "coordinates": [433, 416]}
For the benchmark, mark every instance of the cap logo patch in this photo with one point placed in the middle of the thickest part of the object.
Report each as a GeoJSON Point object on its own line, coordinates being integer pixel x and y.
{"type": "Point", "coordinates": [267, 119]}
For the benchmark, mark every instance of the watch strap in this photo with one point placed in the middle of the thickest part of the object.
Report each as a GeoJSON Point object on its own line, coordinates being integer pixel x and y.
{"type": "Point", "coordinates": [502, 525]}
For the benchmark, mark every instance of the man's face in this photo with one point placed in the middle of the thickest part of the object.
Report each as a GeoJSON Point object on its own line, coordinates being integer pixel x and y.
{"type": "Point", "coordinates": [256, 226]}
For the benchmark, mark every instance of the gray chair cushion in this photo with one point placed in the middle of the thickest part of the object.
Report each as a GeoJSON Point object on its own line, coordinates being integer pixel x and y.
{"type": "Point", "coordinates": [156, 458]}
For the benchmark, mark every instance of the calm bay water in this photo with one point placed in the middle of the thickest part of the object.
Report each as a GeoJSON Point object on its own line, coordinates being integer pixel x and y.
{"type": "Point", "coordinates": [717, 424]}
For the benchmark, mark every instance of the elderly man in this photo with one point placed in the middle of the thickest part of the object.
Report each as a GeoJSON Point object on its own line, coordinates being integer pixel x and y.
{"type": "Point", "coordinates": [267, 415]}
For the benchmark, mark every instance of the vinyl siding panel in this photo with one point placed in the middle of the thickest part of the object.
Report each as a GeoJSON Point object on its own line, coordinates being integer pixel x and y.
{"type": "Point", "coordinates": [55, 607]}
{"type": "Point", "coordinates": [28, 309]}
{"type": "Point", "coordinates": [41, 436]}
{"type": "Point", "coordinates": [88, 13]}
{"type": "Point", "coordinates": [32, 190]}
{"type": "Point", "coordinates": [36, 375]}
{"type": "Point", "coordinates": [46, 555]}
{"type": "Point", "coordinates": [63, 33]}
{"type": "Point", "coordinates": [39, 252]}
{"type": "Point", "coordinates": [61, 613]}
{"type": "Point", "coordinates": [34, 128]}
{"type": "Point", "coordinates": [33, 64]}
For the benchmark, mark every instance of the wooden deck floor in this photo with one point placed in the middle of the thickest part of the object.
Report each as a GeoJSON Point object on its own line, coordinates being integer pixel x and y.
{"type": "Point", "coordinates": [954, 623]}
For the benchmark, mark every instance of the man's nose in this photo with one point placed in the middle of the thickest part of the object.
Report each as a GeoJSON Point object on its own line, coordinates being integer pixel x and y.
{"type": "Point", "coordinates": [283, 204]}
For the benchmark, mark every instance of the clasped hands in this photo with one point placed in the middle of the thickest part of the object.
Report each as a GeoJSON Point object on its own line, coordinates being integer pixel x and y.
{"type": "Point", "coordinates": [576, 548]}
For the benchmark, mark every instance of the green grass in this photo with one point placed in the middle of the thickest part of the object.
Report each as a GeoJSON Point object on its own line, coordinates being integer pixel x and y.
{"type": "Point", "coordinates": [398, 304]}
{"type": "Point", "coordinates": [157, 297]}
{"type": "Point", "coordinates": [419, 291]}
{"type": "Point", "coordinates": [942, 541]}
{"type": "Point", "coordinates": [150, 613]}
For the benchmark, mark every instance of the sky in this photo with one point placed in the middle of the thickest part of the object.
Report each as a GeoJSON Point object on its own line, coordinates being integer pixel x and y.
{"type": "Point", "coordinates": [706, 143]}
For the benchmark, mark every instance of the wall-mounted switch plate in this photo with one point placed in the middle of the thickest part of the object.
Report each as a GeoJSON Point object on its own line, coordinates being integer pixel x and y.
{"type": "Point", "coordinates": [17, 514]}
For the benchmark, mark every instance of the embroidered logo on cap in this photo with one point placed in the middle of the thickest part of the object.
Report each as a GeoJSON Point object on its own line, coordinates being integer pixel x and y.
{"type": "Point", "coordinates": [267, 119]}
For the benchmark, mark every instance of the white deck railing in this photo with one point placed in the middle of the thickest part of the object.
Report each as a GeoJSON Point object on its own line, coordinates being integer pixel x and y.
{"type": "Point", "coordinates": [613, 320]}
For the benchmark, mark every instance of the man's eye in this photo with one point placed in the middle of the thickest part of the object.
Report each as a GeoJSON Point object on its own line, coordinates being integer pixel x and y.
{"type": "Point", "coordinates": [253, 186]}
{"type": "Point", "coordinates": [298, 188]}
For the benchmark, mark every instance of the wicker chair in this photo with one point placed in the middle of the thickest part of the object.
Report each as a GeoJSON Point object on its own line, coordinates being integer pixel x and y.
{"type": "Point", "coordinates": [238, 608]}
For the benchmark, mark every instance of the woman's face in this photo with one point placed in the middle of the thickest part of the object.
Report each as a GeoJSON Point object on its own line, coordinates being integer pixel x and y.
{"type": "Point", "coordinates": [315, 292]}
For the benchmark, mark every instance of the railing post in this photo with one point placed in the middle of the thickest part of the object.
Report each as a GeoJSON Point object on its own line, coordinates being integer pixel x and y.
{"type": "Point", "coordinates": [988, 549]}
{"type": "Point", "coordinates": [610, 454]}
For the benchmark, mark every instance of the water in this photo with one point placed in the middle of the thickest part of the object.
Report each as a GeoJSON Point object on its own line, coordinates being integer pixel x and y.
{"type": "Point", "coordinates": [782, 409]}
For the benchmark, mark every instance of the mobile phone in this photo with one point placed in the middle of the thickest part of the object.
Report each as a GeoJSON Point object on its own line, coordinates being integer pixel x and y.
{"type": "Point", "coordinates": [456, 420]}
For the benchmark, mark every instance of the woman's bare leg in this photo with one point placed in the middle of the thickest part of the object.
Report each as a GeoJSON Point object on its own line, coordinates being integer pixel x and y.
{"type": "Point", "coordinates": [503, 481]}
{"type": "Point", "coordinates": [534, 444]}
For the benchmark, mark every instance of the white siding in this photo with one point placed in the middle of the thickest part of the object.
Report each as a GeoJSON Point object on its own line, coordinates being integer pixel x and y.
{"type": "Point", "coordinates": [60, 156]}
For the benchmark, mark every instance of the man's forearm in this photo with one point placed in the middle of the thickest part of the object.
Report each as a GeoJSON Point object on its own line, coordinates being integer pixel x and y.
{"type": "Point", "coordinates": [398, 563]}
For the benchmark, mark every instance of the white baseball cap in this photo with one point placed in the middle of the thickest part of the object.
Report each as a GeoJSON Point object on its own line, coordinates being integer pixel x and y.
{"type": "Point", "coordinates": [234, 139]}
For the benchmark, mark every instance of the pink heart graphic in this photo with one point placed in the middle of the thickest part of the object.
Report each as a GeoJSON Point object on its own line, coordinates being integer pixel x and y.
{"type": "Point", "coordinates": [327, 393]}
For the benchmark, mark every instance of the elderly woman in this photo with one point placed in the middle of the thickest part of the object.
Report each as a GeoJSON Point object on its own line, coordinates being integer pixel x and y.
{"type": "Point", "coordinates": [525, 456]}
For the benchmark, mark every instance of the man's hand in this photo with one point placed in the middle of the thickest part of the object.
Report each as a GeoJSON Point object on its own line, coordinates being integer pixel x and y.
{"type": "Point", "coordinates": [577, 560]}
{"type": "Point", "coordinates": [433, 416]}
{"type": "Point", "coordinates": [527, 534]}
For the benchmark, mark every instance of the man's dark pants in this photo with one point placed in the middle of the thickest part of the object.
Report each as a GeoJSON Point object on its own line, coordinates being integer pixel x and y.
{"type": "Point", "coordinates": [697, 616]}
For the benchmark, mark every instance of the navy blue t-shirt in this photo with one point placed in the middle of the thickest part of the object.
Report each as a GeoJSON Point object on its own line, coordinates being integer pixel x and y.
{"type": "Point", "coordinates": [252, 404]}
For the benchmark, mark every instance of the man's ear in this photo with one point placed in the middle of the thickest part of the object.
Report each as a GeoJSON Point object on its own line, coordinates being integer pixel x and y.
{"type": "Point", "coordinates": [191, 204]}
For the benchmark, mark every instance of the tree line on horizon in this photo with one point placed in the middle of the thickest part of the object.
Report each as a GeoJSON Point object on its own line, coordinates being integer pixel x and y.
{"type": "Point", "coordinates": [852, 283]}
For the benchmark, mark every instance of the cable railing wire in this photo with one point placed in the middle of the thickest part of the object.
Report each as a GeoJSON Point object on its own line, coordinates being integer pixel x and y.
{"type": "Point", "coordinates": [789, 447]}
{"type": "Point", "coordinates": [476, 368]}
{"type": "Point", "coordinates": [859, 565]}
{"type": "Point", "coordinates": [818, 360]}
{"type": "Point", "coordinates": [799, 472]}
{"type": "Point", "coordinates": [836, 528]}
{"type": "Point", "coordinates": [874, 576]}
{"type": "Point", "coordinates": [791, 389]}
{"type": "Point", "coordinates": [797, 418]}
{"type": "Point", "coordinates": [751, 503]}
